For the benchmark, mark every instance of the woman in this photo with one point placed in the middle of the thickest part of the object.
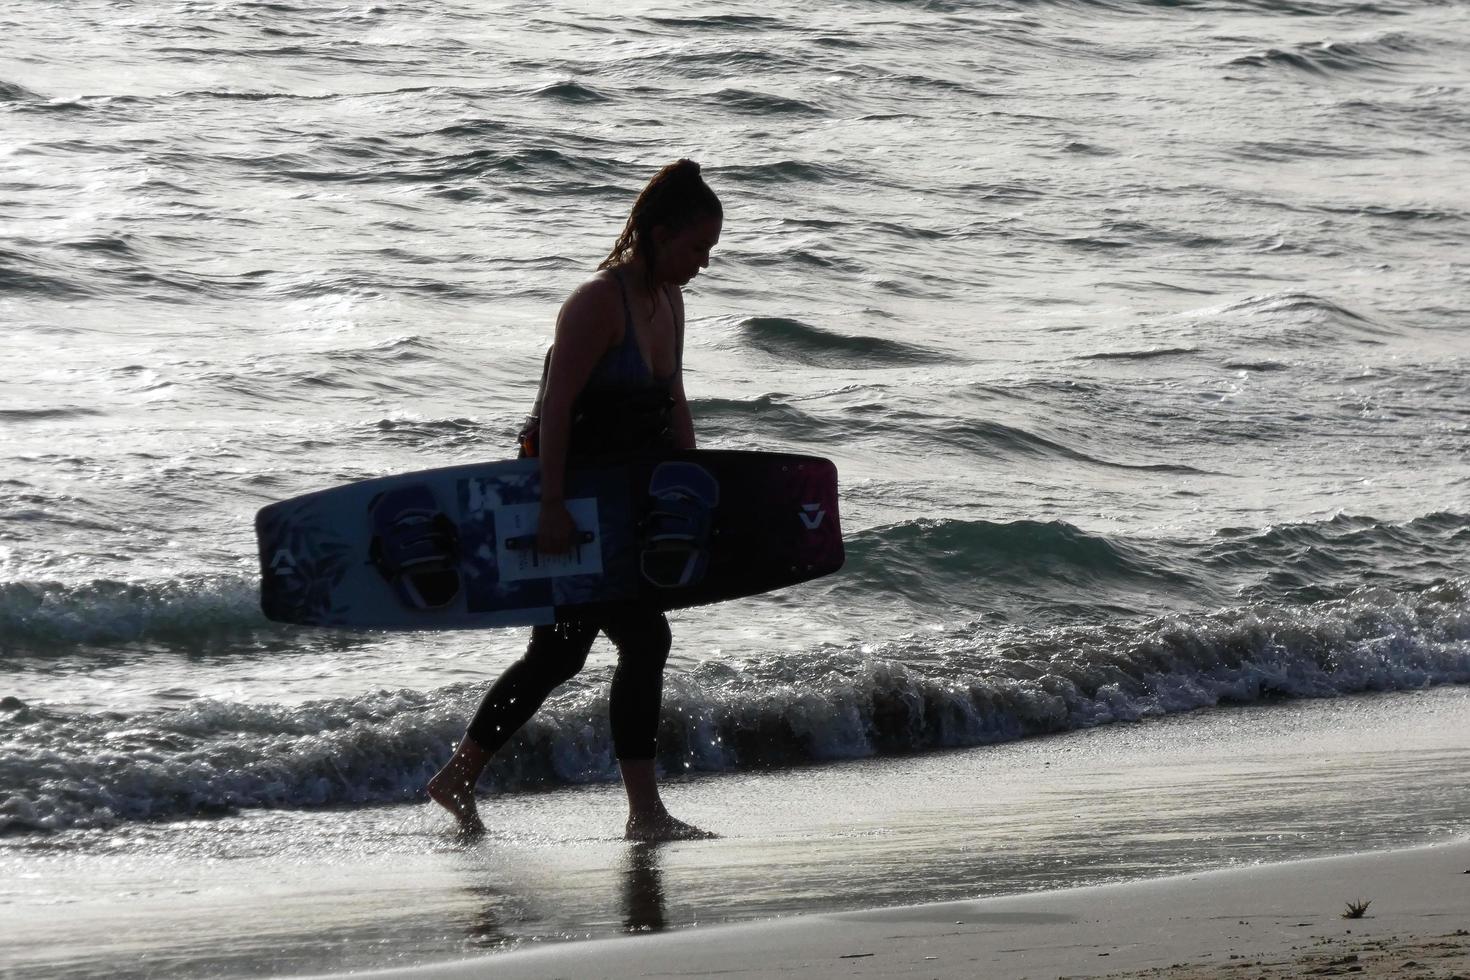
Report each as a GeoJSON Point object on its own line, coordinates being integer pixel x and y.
{"type": "Point", "coordinates": [613, 381]}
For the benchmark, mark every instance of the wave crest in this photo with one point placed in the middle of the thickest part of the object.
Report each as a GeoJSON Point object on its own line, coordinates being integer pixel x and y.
{"type": "Point", "coordinates": [806, 344]}
{"type": "Point", "coordinates": [37, 617]}
{"type": "Point", "coordinates": [969, 687]}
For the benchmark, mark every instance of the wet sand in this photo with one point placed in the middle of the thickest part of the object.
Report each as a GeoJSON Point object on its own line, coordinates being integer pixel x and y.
{"type": "Point", "coordinates": [1279, 920]}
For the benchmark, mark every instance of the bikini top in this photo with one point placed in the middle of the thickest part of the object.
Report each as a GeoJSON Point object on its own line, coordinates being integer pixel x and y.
{"type": "Point", "coordinates": [623, 406]}
{"type": "Point", "coordinates": [623, 366]}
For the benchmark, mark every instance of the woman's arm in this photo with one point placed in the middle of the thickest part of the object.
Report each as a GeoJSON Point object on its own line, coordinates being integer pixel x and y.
{"type": "Point", "coordinates": [683, 419]}
{"type": "Point", "coordinates": [584, 331]}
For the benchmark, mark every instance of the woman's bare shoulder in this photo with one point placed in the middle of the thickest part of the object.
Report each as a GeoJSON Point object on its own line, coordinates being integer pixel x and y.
{"type": "Point", "coordinates": [595, 306]}
{"type": "Point", "coordinates": [601, 285]}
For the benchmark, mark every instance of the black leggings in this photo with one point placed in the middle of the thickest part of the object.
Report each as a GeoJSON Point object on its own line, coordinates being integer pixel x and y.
{"type": "Point", "coordinates": [555, 655]}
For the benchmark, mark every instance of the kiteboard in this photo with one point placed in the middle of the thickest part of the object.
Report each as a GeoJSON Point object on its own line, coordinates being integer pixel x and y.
{"type": "Point", "coordinates": [455, 548]}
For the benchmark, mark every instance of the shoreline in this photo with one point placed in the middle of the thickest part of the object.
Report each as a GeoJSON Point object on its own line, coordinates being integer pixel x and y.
{"type": "Point", "coordinates": [334, 892]}
{"type": "Point", "coordinates": [1279, 919]}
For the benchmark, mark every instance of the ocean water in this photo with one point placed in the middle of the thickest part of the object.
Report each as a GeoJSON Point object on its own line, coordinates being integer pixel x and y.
{"type": "Point", "coordinates": [1137, 332]}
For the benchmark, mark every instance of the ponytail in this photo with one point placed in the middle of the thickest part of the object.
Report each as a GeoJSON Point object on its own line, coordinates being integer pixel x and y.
{"type": "Point", "coordinates": [676, 197]}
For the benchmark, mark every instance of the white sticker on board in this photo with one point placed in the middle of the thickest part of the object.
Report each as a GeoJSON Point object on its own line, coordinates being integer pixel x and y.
{"type": "Point", "coordinates": [515, 536]}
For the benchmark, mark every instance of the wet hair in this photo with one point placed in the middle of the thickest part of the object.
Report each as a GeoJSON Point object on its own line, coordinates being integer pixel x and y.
{"type": "Point", "coordinates": [676, 198]}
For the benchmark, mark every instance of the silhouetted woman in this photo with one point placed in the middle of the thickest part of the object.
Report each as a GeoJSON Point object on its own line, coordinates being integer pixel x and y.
{"type": "Point", "coordinates": [613, 381]}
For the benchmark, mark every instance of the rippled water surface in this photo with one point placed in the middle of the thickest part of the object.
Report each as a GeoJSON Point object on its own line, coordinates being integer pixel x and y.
{"type": "Point", "coordinates": [1137, 332]}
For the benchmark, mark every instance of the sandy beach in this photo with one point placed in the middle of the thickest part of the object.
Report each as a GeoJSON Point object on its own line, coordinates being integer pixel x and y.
{"type": "Point", "coordinates": [1275, 920]}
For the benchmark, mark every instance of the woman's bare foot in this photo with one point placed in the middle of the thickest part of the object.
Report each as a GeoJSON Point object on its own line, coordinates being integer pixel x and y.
{"type": "Point", "coordinates": [459, 799]}
{"type": "Point", "coordinates": [647, 819]}
{"type": "Point", "coordinates": [653, 828]}
{"type": "Point", "coordinates": [453, 787]}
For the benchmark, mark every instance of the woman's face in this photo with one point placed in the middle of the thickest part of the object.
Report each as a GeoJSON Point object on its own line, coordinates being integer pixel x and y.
{"type": "Point", "coordinates": [683, 253]}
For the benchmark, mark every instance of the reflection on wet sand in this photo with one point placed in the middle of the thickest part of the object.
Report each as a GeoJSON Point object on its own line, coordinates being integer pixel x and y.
{"type": "Point", "coordinates": [487, 928]}
{"type": "Point", "coordinates": [643, 890]}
